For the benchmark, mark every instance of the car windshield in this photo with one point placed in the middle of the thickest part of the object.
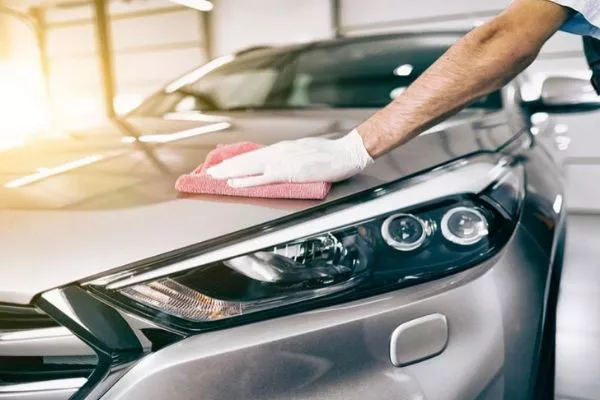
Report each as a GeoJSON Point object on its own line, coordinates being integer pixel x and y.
{"type": "Point", "coordinates": [351, 73]}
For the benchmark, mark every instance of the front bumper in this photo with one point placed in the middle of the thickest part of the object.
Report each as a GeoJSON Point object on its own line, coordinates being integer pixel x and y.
{"type": "Point", "coordinates": [494, 314]}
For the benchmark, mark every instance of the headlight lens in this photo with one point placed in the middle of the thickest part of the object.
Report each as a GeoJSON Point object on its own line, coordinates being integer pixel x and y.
{"type": "Point", "coordinates": [406, 232]}
{"type": "Point", "coordinates": [363, 258]}
{"type": "Point", "coordinates": [464, 226]}
{"type": "Point", "coordinates": [286, 274]}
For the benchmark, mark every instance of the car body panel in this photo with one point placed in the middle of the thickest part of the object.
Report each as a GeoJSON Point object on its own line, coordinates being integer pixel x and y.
{"type": "Point", "coordinates": [125, 208]}
{"type": "Point", "coordinates": [496, 314]}
{"type": "Point", "coordinates": [342, 352]}
{"type": "Point", "coordinates": [103, 182]}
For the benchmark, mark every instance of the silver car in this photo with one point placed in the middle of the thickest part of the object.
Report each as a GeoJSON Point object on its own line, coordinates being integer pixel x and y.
{"type": "Point", "coordinates": [432, 275]}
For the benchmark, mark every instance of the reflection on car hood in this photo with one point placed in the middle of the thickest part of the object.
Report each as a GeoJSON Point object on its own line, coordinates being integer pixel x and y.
{"type": "Point", "coordinates": [76, 207]}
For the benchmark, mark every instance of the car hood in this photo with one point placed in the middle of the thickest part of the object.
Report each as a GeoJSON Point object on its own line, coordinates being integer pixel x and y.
{"type": "Point", "coordinates": [79, 206]}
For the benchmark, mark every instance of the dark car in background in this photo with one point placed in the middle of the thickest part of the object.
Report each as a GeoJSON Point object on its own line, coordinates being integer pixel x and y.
{"type": "Point", "coordinates": [431, 275]}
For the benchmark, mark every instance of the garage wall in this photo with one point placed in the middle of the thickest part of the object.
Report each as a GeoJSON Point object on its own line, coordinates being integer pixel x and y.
{"type": "Point", "coordinates": [237, 24]}
{"type": "Point", "coordinates": [154, 41]}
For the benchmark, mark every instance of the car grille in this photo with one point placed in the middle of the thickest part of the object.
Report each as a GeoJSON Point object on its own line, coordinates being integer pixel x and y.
{"type": "Point", "coordinates": [15, 370]}
{"type": "Point", "coordinates": [23, 317]}
{"type": "Point", "coordinates": [36, 349]}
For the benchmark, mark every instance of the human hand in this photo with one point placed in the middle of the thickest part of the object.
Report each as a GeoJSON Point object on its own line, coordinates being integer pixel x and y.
{"type": "Point", "coordinates": [298, 161]}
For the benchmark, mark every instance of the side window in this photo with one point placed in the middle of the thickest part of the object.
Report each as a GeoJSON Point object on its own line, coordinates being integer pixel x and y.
{"type": "Point", "coordinates": [245, 81]}
{"type": "Point", "coordinates": [162, 103]}
{"type": "Point", "coordinates": [299, 96]}
{"type": "Point", "coordinates": [188, 103]}
{"type": "Point", "coordinates": [242, 88]}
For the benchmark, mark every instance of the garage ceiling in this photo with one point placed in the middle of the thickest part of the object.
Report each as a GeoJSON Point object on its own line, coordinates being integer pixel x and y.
{"type": "Point", "coordinates": [42, 3]}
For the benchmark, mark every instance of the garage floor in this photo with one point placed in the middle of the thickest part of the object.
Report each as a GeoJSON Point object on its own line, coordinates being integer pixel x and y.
{"type": "Point", "coordinates": [578, 325]}
{"type": "Point", "coordinates": [578, 320]}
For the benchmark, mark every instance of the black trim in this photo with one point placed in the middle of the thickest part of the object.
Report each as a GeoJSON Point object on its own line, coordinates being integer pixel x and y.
{"type": "Point", "coordinates": [29, 369]}
{"type": "Point", "coordinates": [23, 317]}
{"type": "Point", "coordinates": [101, 327]}
{"type": "Point", "coordinates": [591, 47]}
{"type": "Point", "coordinates": [546, 365]}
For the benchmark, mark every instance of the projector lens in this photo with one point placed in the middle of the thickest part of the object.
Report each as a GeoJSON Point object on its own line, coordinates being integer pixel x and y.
{"type": "Point", "coordinates": [405, 232]}
{"type": "Point", "coordinates": [464, 226]}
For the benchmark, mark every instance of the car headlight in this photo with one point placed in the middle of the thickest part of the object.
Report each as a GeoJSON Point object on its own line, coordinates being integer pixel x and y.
{"type": "Point", "coordinates": [367, 256]}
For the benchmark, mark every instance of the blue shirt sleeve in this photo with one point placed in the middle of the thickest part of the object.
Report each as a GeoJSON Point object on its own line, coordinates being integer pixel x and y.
{"type": "Point", "coordinates": [586, 21]}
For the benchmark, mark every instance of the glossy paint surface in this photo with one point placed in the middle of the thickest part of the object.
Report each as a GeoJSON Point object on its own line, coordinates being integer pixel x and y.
{"type": "Point", "coordinates": [118, 206]}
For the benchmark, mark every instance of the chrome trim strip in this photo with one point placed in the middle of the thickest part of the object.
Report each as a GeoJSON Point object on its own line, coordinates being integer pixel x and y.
{"type": "Point", "coordinates": [44, 386]}
{"type": "Point", "coordinates": [42, 342]}
{"type": "Point", "coordinates": [463, 178]}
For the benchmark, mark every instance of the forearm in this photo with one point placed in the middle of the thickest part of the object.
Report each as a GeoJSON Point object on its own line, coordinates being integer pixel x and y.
{"type": "Point", "coordinates": [481, 62]}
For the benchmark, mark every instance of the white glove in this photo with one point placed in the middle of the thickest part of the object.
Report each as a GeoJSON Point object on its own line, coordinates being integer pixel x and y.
{"type": "Point", "coordinates": [303, 160]}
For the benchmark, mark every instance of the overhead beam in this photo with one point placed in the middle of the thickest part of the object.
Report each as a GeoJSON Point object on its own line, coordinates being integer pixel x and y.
{"type": "Point", "coordinates": [336, 17]}
{"type": "Point", "coordinates": [206, 21]}
{"type": "Point", "coordinates": [105, 53]}
{"type": "Point", "coordinates": [39, 17]}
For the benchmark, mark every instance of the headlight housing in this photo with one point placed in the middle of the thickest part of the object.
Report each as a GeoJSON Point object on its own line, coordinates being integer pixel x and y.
{"type": "Point", "coordinates": [367, 256]}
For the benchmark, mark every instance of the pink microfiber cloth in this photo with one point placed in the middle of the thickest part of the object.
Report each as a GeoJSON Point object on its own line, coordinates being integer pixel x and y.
{"type": "Point", "coordinates": [199, 182]}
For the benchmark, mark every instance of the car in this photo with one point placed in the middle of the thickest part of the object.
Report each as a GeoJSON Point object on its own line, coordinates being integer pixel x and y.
{"type": "Point", "coordinates": [433, 274]}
